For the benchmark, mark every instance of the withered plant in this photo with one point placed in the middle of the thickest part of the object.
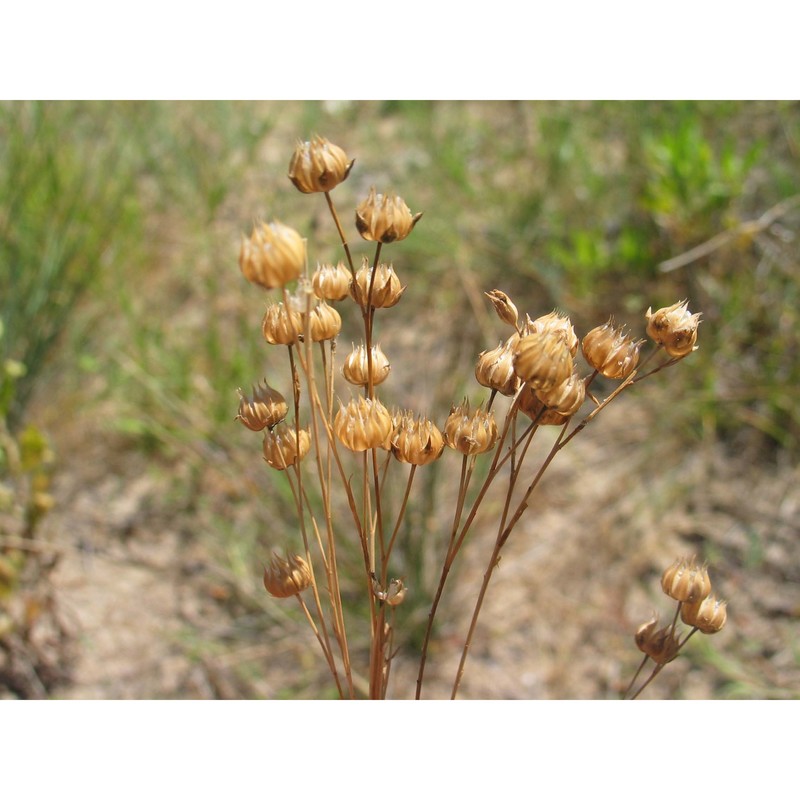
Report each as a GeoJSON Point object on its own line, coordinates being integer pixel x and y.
{"type": "Point", "coordinates": [352, 447]}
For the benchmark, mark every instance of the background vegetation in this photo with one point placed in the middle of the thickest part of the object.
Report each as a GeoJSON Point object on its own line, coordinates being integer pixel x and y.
{"type": "Point", "coordinates": [125, 329]}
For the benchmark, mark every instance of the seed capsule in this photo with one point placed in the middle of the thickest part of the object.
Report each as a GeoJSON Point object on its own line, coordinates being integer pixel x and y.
{"type": "Point", "coordinates": [324, 323]}
{"type": "Point", "coordinates": [386, 288]}
{"type": "Point", "coordinates": [555, 323]}
{"type": "Point", "coordinates": [318, 166]}
{"type": "Point", "coordinates": [611, 351]}
{"type": "Point", "coordinates": [530, 405]}
{"type": "Point", "coordinates": [274, 255]}
{"type": "Point", "coordinates": [660, 644]}
{"type": "Point", "coordinates": [282, 325]}
{"type": "Point", "coordinates": [356, 366]}
{"type": "Point", "coordinates": [363, 424]}
{"type": "Point", "coordinates": [505, 309]}
{"type": "Point", "coordinates": [470, 432]}
{"type": "Point", "coordinates": [384, 218]}
{"type": "Point", "coordinates": [417, 442]}
{"type": "Point", "coordinates": [543, 360]}
{"type": "Point", "coordinates": [266, 408]}
{"type": "Point", "coordinates": [495, 369]}
{"type": "Point", "coordinates": [685, 581]}
{"type": "Point", "coordinates": [707, 615]}
{"type": "Point", "coordinates": [565, 398]}
{"type": "Point", "coordinates": [286, 577]}
{"type": "Point", "coordinates": [283, 448]}
{"type": "Point", "coordinates": [331, 283]}
{"type": "Point", "coordinates": [675, 328]}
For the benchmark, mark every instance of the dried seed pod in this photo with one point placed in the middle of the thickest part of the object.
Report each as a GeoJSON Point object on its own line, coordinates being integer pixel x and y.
{"type": "Point", "coordinates": [611, 351]}
{"type": "Point", "coordinates": [362, 424]}
{"type": "Point", "coordinates": [675, 328]}
{"type": "Point", "coordinates": [274, 255]}
{"type": "Point", "coordinates": [685, 581]}
{"type": "Point", "coordinates": [331, 283]}
{"type": "Point", "coordinates": [530, 405]}
{"type": "Point", "coordinates": [324, 323]}
{"type": "Point", "coordinates": [396, 592]}
{"type": "Point", "coordinates": [356, 366]}
{"type": "Point", "coordinates": [318, 166]}
{"type": "Point", "coordinates": [282, 325]}
{"type": "Point", "coordinates": [505, 309]}
{"type": "Point", "coordinates": [384, 218]}
{"type": "Point", "coordinates": [470, 432]}
{"type": "Point", "coordinates": [661, 644]}
{"type": "Point", "coordinates": [543, 360]}
{"type": "Point", "coordinates": [416, 441]}
{"type": "Point", "coordinates": [495, 369]}
{"type": "Point", "coordinates": [565, 398]}
{"type": "Point", "coordinates": [555, 323]}
{"type": "Point", "coordinates": [386, 288]}
{"type": "Point", "coordinates": [283, 447]}
{"type": "Point", "coordinates": [707, 615]}
{"type": "Point", "coordinates": [266, 408]}
{"type": "Point", "coordinates": [286, 577]}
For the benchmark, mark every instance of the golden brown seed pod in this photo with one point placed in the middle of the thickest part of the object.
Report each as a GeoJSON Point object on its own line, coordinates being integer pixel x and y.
{"type": "Point", "coordinates": [543, 360]}
{"type": "Point", "coordinates": [505, 309]}
{"type": "Point", "coordinates": [286, 577]}
{"type": "Point", "coordinates": [363, 424]}
{"type": "Point", "coordinates": [470, 432]}
{"type": "Point", "coordinates": [555, 323]}
{"type": "Point", "coordinates": [685, 581]}
{"type": "Point", "coordinates": [274, 255]}
{"type": "Point", "coordinates": [318, 166]}
{"type": "Point", "coordinates": [707, 615]}
{"type": "Point", "coordinates": [282, 325]}
{"type": "Point", "coordinates": [611, 351]}
{"type": "Point", "coordinates": [530, 405]}
{"type": "Point", "coordinates": [675, 328]}
{"type": "Point", "coordinates": [283, 447]}
{"type": "Point", "coordinates": [331, 283]}
{"type": "Point", "coordinates": [386, 288]}
{"type": "Point", "coordinates": [396, 592]}
{"type": "Point", "coordinates": [495, 369]}
{"type": "Point", "coordinates": [661, 644]}
{"type": "Point", "coordinates": [565, 398]}
{"type": "Point", "coordinates": [266, 408]}
{"type": "Point", "coordinates": [384, 218]}
{"type": "Point", "coordinates": [356, 366]}
{"type": "Point", "coordinates": [324, 323]}
{"type": "Point", "coordinates": [416, 441]}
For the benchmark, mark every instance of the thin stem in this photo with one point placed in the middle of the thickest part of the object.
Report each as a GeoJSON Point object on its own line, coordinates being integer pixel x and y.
{"type": "Point", "coordinates": [341, 233]}
{"type": "Point", "coordinates": [328, 656]}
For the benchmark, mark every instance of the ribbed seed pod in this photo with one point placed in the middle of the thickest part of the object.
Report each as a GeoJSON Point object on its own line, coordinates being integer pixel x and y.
{"type": "Point", "coordinates": [384, 218]}
{"type": "Point", "coordinates": [416, 441]}
{"type": "Point", "coordinates": [530, 405]}
{"type": "Point", "coordinates": [661, 644]}
{"type": "Point", "coordinates": [675, 328]}
{"type": "Point", "coordinates": [282, 325]}
{"type": "Point", "coordinates": [707, 615]}
{"type": "Point", "coordinates": [495, 369]}
{"type": "Point", "coordinates": [363, 424]}
{"type": "Point", "coordinates": [283, 447]}
{"type": "Point", "coordinates": [543, 360]}
{"type": "Point", "coordinates": [318, 166]}
{"type": "Point", "coordinates": [286, 577]}
{"type": "Point", "coordinates": [503, 307]}
{"type": "Point", "coordinates": [324, 323]}
{"type": "Point", "coordinates": [331, 283]}
{"type": "Point", "coordinates": [567, 397]}
{"type": "Point", "coordinates": [356, 366]}
{"type": "Point", "coordinates": [685, 581]}
{"type": "Point", "coordinates": [470, 432]}
{"type": "Point", "coordinates": [266, 408]}
{"type": "Point", "coordinates": [274, 255]}
{"type": "Point", "coordinates": [386, 288]}
{"type": "Point", "coordinates": [553, 323]}
{"type": "Point", "coordinates": [611, 351]}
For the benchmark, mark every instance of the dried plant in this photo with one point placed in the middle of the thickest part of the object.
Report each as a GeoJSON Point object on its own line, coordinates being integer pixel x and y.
{"type": "Point", "coordinates": [354, 446]}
